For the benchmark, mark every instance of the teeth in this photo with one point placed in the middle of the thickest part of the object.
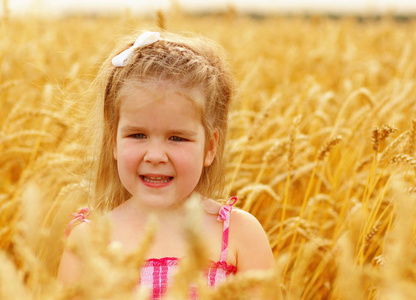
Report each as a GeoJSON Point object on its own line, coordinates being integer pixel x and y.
{"type": "Point", "coordinates": [157, 179]}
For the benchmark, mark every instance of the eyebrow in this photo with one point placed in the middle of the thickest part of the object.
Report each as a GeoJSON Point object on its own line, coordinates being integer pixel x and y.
{"type": "Point", "coordinates": [129, 128]}
{"type": "Point", "coordinates": [185, 132]}
{"type": "Point", "coordinates": [181, 132]}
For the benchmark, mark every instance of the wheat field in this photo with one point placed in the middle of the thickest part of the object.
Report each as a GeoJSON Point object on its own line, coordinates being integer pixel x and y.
{"type": "Point", "coordinates": [321, 150]}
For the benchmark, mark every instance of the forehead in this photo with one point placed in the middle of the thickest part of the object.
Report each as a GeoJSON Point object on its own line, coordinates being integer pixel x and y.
{"type": "Point", "coordinates": [160, 90]}
{"type": "Point", "coordinates": [153, 98]}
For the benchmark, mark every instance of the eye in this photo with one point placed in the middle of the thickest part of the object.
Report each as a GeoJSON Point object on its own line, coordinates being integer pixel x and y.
{"type": "Point", "coordinates": [137, 136]}
{"type": "Point", "coordinates": [177, 139]}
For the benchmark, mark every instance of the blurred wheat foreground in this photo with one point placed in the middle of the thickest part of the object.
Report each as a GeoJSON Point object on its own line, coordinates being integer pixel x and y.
{"type": "Point", "coordinates": [321, 150]}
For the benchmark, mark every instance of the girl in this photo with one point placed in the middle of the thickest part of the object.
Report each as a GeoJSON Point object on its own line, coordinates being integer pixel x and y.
{"type": "Point", "coordinates": [165, 110]}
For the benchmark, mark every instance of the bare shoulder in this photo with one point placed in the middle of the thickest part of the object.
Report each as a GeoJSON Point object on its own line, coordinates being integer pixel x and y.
{"type": "Point", "coordinates": [250, 242]}
{"type": "Point", "coordinates": [70, 265]}
{"type": "Point", "coordinates": [244, 226]}
{"type": "Point", "coordinates": [79, 232]}
{"type": "Point", "coordinates": [244, 217]}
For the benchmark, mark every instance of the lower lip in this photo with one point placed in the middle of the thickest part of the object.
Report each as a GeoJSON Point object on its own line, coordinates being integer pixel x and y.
{"type": "Point", "coordinates": [155, 184]}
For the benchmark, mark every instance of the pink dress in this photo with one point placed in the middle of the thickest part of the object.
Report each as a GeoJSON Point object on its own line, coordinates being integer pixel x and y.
{"type": "Point", "coordinates": [157, 273]}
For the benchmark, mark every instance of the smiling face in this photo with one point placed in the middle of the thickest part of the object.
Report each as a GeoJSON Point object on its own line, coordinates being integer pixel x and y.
{"type": "Point", "coordinates": [160, 145]}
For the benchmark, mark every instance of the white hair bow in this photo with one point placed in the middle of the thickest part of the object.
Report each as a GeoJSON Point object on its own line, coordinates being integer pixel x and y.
{"type": "Point", "coordinates": [144, 39]}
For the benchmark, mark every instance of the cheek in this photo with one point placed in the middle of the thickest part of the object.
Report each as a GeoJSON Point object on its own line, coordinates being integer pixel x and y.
{"type": "Point", "coordinates": [127, 156]}
{"type": "Point", "coordinates": [191, 161]}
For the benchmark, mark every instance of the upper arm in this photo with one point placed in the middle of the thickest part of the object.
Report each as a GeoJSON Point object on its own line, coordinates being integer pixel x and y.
{"type": "Point", "coordinates": [70, 266]}
{"type": "Point", "coordinates": [250, 241]}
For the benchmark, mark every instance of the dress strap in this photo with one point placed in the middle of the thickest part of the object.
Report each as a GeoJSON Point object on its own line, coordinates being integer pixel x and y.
{"type": "Point", "coordinates": [80, 216]}
{"type": "Point", "coordinates": [224, 215]}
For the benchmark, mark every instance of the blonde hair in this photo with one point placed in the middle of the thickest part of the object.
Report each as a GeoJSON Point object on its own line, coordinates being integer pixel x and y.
{"type": "Point", "coordinates": [189, 62]}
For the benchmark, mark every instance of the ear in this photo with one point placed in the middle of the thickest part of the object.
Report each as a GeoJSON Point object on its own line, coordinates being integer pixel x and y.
{"type": "Point", "coordinates": [211, 148]}
{"type": "Point", "coordinates": [115, 151]}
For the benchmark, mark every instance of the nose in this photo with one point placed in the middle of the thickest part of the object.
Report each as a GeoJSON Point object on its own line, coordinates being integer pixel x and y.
{"type": "Point", "coordinates": [155, 153]}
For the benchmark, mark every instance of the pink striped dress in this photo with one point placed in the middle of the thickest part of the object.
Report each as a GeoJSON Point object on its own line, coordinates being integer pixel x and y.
{"type": "Point", "coordinates": [157, 273]}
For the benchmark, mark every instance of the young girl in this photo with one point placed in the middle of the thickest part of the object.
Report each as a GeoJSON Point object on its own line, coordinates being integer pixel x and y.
{"type": "Point", "coordinates": [165, 110]}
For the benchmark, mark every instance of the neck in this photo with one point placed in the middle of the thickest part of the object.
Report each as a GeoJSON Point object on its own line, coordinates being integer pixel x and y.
{"type": "Point", "coordinates": [163, 214]}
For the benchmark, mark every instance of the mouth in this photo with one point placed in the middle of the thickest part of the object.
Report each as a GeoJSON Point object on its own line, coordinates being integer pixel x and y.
{"type": "Point", "coordinates": [156, 179]}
